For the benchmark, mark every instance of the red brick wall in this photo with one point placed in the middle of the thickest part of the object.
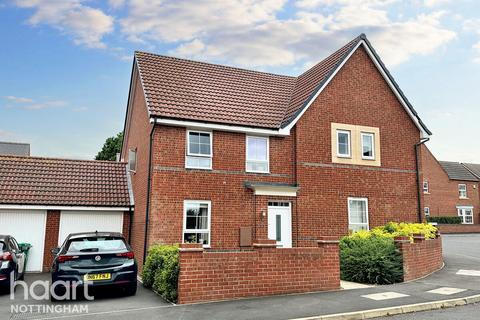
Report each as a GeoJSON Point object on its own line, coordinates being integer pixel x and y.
{"type": "Point", "coordinates": [443, 198]}
{"type": "Point", "coordinates": [51, 237]}
{"type": "Point", "coordinates": [421, 258]}
{"type": "Point", "coordinates": [209, 276]}
{"type": "Point", "coordinates": [137, 135]}
{"type": "Point", "coordinates": [459, 228]}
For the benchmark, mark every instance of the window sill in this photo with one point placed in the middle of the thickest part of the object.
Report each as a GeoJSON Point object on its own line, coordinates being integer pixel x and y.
{"type": "Point", "coordinates": [368, 159]}
{"type": "Point", "coordinates": [463, 198]}
{"type": "Point", "coordinates": [199, 168]}
{"type": "Point", "coordinates": [344, 156]}
{"type": "Point", "coordinates": [258, 172]}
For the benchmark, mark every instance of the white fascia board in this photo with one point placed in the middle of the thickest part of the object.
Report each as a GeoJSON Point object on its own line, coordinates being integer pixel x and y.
{"type": "Point", "coordinates": [382, 72]}
{"type": "Point", "coordinates": [275, 191]}
{"type": "Point", "coordinates": [62, 208]}
{"type": "Point", "coordinates": [220, 127]}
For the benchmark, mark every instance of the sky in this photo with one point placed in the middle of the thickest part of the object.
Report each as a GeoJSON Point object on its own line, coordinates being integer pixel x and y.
{"type": "Point", "coordinates": [66, 64]}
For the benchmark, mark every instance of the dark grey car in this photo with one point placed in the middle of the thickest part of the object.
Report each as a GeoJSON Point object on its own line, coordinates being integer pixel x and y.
{"type": "Point", "coordinates": [105, 259]}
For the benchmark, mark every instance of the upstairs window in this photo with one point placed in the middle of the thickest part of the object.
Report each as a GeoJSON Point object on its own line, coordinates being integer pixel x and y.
{"type": "Point", "coordinates": [199, 150]}
{"type": "Point", "coordinates": [257, 154]}
{"type": "Point", "coordinates": [343, 144]}
{"type": "Point", "coordinates": [425, 187]}
{"type": "Point", "coordinates": [357, 214]}
{"type": "Point", "coordinates": [368, 146]}
{"type": "Point", "coordinates": [462, 191]}
{"type": "Point", "coordinates": [132, 159]}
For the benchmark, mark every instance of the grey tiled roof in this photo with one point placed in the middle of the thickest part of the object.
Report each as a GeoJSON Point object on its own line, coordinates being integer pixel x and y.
{"type": "Point", "coordinates": [456, 171]}
{"type": "Point", "coordinates": [473, 168]}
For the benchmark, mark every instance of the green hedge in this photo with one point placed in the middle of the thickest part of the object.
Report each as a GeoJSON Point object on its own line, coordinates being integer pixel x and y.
{"type": "Point", "coordinates": [445, 219]}
{"type": "Point", "coordinates": [373, 260]}
{"type": "Point", "coordinates": [161, 269]}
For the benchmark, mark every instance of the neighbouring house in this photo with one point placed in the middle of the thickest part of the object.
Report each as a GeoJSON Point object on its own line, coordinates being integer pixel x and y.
{"type": "Point", "coordinates": [224, 156]}
{"type": "Point", "coordinates": [451, 189]}
{"type": "Point", "coordinates": [42, 200]}
{"type": "Point", "coordinates": [14, 149]}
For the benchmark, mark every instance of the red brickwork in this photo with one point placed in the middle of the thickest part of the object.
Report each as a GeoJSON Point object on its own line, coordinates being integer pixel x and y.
{"type": "Point", "coordinates": [209, 276]}
{"type": "Point", "coordinates": [421, 257]}
{"type": "Point", "coordinates": [51, 238]}
{"type": "Point", "coordinates": [458, 228]}
{"type": "Point", "coordinates": [137, 136]}
{"type": "Point", "coordinates": [443, 198]}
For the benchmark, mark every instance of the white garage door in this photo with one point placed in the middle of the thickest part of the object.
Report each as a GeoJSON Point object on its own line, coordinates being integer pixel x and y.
{"type": "Point", "coordinates": [89, 221]}
{"type": "Point", "coordinates": [26, 226]}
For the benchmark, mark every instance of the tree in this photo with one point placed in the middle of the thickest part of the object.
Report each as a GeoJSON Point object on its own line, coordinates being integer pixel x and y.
{"type": "Point", "coordinates": [110, 148]}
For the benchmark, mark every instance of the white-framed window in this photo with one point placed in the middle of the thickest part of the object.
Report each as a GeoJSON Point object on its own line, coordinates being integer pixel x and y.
{"type": "Point", "coordinates": [257, 154]}
{"type": "Point", "coordinates": [462, 191]}
{"type": "Point", "coordinates": [196, 222]}
{"type": "Point", "coordinates": [426, 210]}
{"type": "Point", "coordinates": [466, 213]}
{"type": "Point", "coordinates": [199, 150]}
{"type": "Point", "coordinates": [425, 187]}
{"type": "Point", "coordinates": [357, 214]}
{"type": "Point", "coordinates": [132, 159]}
{"type": "Point", "coordinates": [368, 145]}
{"type": "Point", "coordinates": [343, 143]}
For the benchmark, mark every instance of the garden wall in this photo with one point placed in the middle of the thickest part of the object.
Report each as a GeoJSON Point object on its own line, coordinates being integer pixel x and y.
{"type": "Point", "coordinates": [421, 257]}
{"type": "Point", "coordinates": [458, 228]}
{"type": "Point", "coordinates": [262, 270]}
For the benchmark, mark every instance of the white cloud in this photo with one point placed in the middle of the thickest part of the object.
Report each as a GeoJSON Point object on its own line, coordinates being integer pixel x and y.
{"type": "Point", "coordinates": [183, 20]}
{"type": "Point", "coordinates": [250, 33]}
{"type": "Point", "coordinates": [473, 25]}
{"type": "Point", "coordinates": [435, 3]}
{"type": "Point", "coordinates": [18, 99]}
{"type": "Point", "coordinates": [115, 4]}
{"type": "Point", "coordinates": [85, 24]}
{"type": "Point", "coordinates": [31, 104]}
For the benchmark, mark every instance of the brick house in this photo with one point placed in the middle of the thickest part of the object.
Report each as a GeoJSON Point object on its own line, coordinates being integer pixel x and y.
{"type": "Point", "coordinates": [221, 155]}
{"type": "Point", "coordinates": [451, 189]}
{"type": "Point", "coordinates": [43, 200]}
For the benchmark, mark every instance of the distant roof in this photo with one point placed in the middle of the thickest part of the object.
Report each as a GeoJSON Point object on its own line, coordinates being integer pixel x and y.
{"type": "Point", "coordinates": [182, 89]}
{"type": "Point", "coordinates": [14, 148]}
{"type": "Point", "coordinates": [456, 171]}
{"type": "Point", "coordinates": [473, 168]}
{"type": "Point", "coordinates": [62, 182]}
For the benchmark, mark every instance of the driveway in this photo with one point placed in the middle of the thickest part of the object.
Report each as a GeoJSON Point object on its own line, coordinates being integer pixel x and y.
{"type": "Point", "coordinates": [460, 251]}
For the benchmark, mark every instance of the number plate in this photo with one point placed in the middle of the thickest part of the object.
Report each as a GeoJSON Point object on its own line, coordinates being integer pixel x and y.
{"type": "Point", "coordinates": [97, 276]}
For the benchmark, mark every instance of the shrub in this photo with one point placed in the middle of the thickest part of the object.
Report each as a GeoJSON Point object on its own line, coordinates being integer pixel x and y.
{"type": "Point", "coordinates": [161, 269]}
{"type": "Point", "coordinates": [445, 220]}
{"type": "Point", "coordinates": [373, 259]}
{"type": "Point", "coordinates": [394, 229]}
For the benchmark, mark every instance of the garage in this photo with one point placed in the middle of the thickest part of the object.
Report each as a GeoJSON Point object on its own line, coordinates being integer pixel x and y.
{"type": "Point", "coordinates": [87, 221]}
{"type": "Point", "coordinates": [26, 226]}
{"type": "Point", "coordinates": [43, 200]}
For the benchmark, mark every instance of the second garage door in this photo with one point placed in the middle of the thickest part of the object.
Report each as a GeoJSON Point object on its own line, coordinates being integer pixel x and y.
{"type": "Point", "coordinates": [89, 221]}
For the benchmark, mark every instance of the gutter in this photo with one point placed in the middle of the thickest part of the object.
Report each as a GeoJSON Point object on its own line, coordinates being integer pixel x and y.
{"type": "Point", "coordinates": [419, 190]}
{"type": "Point", "coordinates": [149, 185]}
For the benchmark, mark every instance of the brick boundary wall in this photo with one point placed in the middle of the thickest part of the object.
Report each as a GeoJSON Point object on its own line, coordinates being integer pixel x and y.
{"type": "Point", "coordinates": [262, 270]}
{"type": "Point", "coordinates": [458, 228]}
{"type": "Point", "coordinates": [51, 238]}
{"type": "Point", "coordinates": [420, 258]}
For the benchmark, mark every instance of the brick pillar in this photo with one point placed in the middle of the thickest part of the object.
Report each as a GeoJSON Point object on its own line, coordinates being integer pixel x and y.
{"type": "Point", "coordinates": [51, 237]}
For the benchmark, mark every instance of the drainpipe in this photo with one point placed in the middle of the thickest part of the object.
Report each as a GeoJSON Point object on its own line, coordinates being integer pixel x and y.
{"type": "Point", "coordinates": [147, 211]}
{"type": "Point", "coordinates": [130, 215]}
{"type": "Point", "coordinates": [419, 190]}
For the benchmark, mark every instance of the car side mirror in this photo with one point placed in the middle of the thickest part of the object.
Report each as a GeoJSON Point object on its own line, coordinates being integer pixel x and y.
{"type": "Point", "coordinates": [55, 251]}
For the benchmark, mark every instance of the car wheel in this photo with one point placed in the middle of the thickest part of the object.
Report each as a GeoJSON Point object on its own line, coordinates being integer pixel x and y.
{"type": "Point", "coordinates": [131, 290]}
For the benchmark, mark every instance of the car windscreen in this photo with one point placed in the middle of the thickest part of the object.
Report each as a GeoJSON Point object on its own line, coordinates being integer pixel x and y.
{"type": "Point", "coordinates": [2, 246]}
{"type": "Point", "coordinates": [96, 244]}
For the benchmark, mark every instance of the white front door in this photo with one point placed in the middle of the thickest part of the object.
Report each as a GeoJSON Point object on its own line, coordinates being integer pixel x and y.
{"type": "Point", "coordinates": [280, 223]}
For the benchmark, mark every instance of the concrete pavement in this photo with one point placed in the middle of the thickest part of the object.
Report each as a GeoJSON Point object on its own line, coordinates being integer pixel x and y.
{"type": "Point", "coordinates": [461, 253]}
